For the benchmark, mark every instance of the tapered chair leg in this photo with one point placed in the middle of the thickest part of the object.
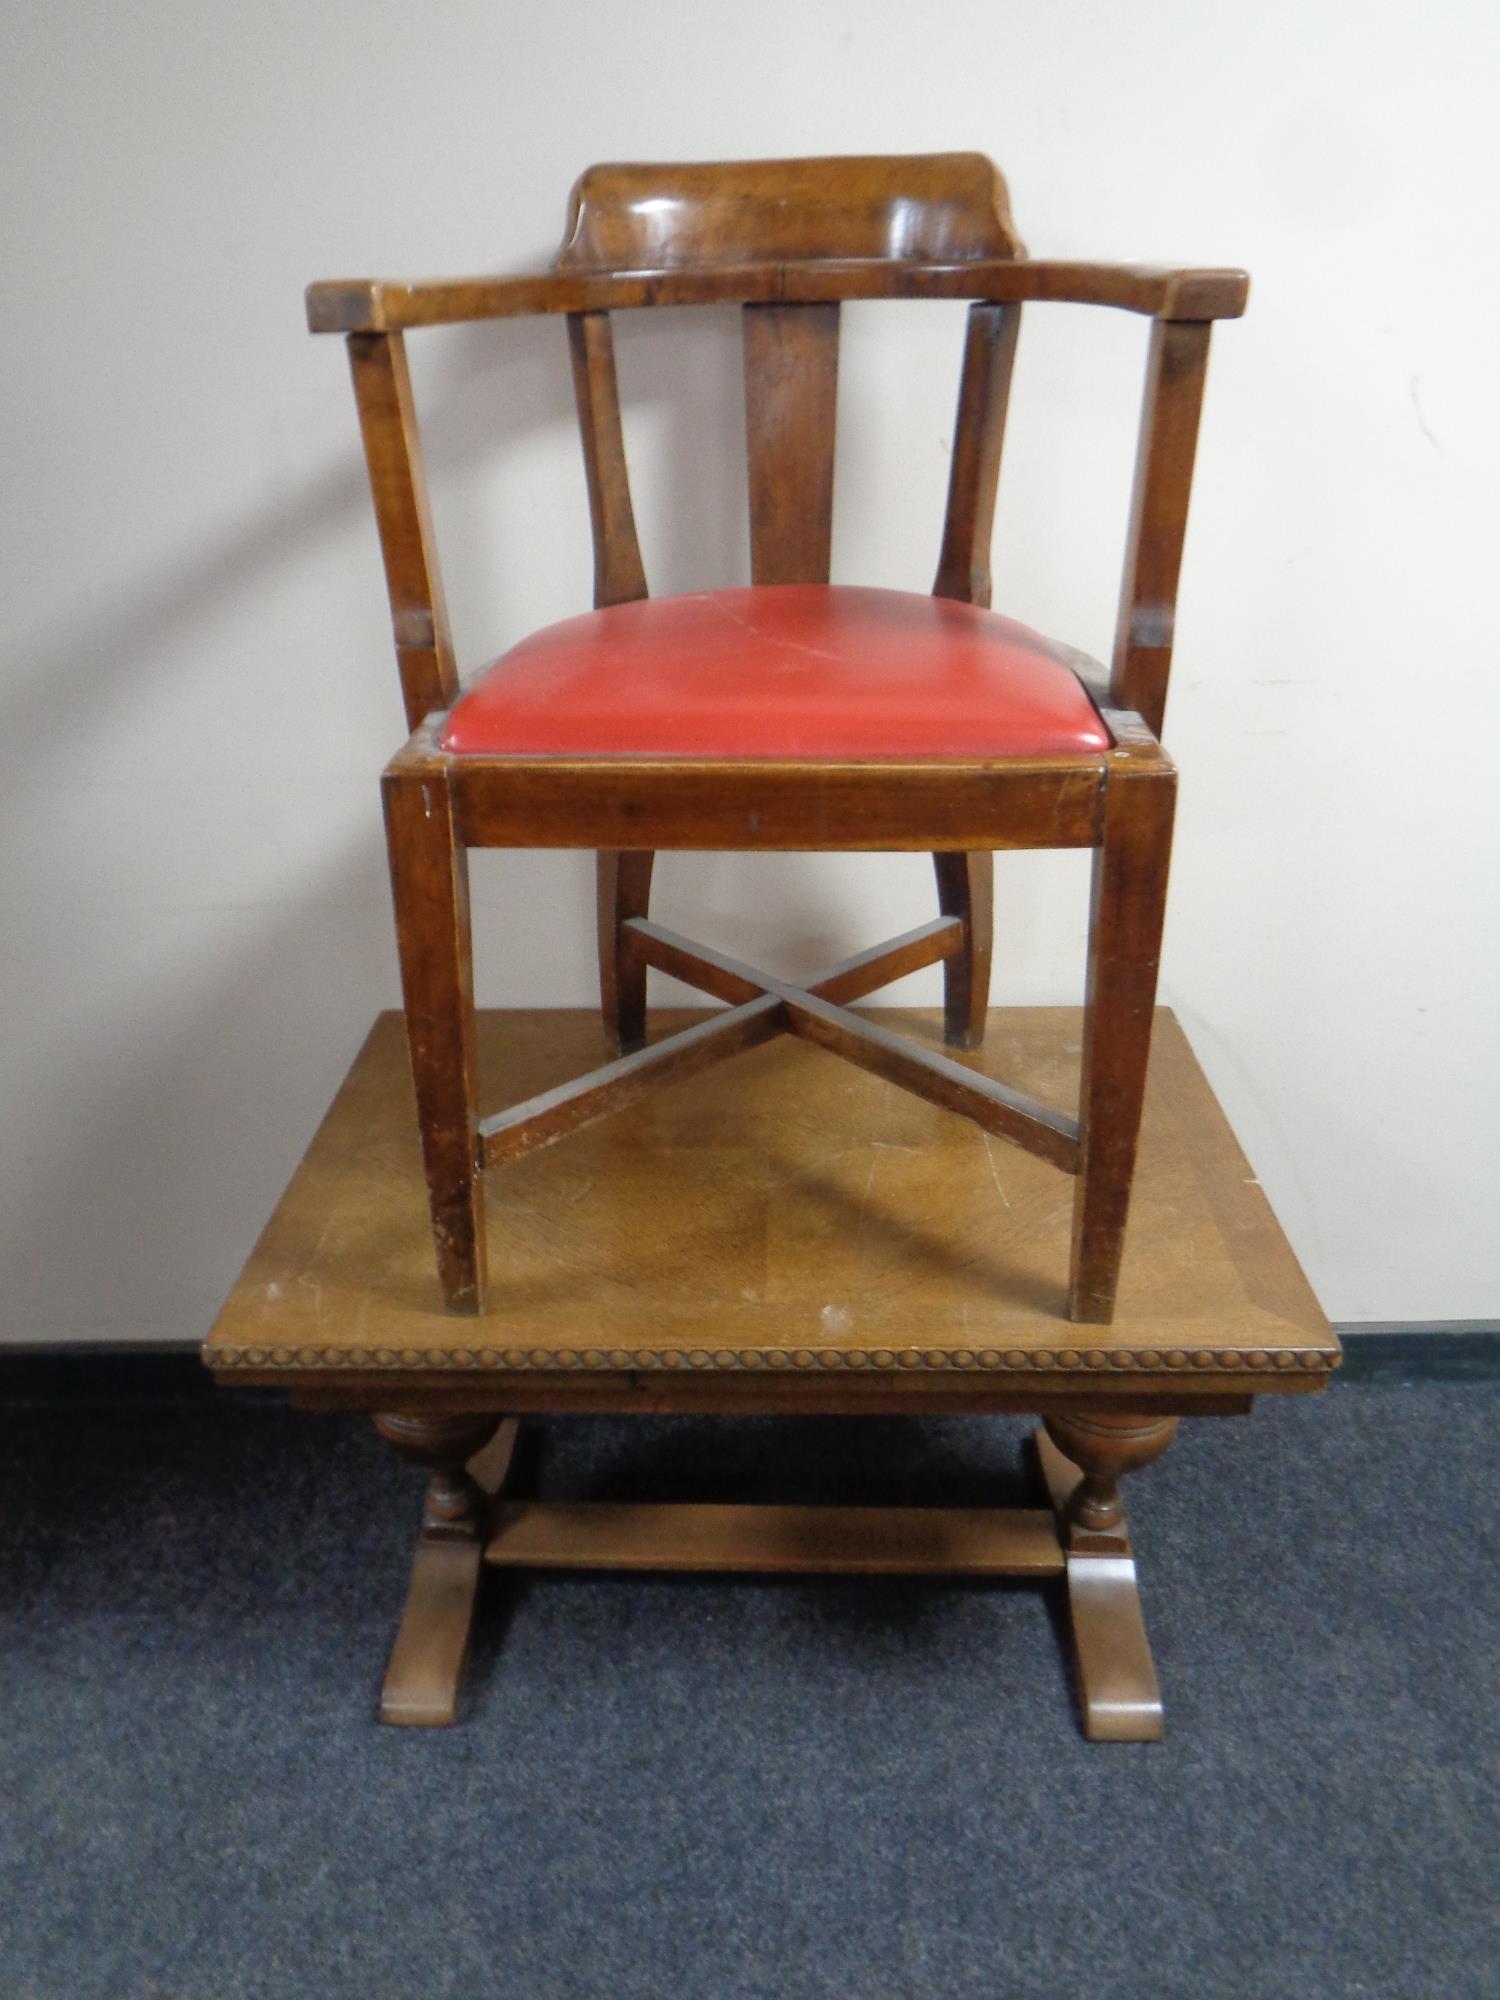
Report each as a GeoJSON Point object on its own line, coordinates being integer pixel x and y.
{"type": "Point", "coordinates": [624, 891]}
{"type": "Point", "coordinates": [966, 890]}
{"type": "Point", "coordinates": [1125, 926]}
{"type": "Point", "coordinates": [430, 887]}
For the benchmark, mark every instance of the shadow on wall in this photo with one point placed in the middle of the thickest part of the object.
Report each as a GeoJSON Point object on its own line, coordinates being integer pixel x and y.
{"type": "Point", "coordinates": [177, 1056]}
{"type": "Point", "coordinates": [167, 1150]}
{"type": "Point", "coordinates": [127, 642]}
{"type": "Point", "coordinates": [182, 1085]}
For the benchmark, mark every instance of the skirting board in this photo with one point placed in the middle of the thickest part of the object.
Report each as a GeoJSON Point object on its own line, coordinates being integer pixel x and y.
{"type": "Point", "coordinates": [1392, 1353]}
{"type": "Point", "coordinates": [1377, 1354]}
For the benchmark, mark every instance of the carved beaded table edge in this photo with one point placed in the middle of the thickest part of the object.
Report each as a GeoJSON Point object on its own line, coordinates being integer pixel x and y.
{"type": "Point", "coordinates": [785, 1235]}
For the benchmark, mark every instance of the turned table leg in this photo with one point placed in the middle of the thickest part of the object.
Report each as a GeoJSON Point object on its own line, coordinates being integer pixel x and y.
{"type": "Point", "coordinates": [469, 1457]}
{"type": "Point", "coordinates": [1083, 1456]}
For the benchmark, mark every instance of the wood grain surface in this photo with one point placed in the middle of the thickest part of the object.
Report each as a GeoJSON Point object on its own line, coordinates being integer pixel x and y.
{"type": "Point", "coordinates": [787, 1227]}
{"type": "Point", "coordinates": [784, 1541]}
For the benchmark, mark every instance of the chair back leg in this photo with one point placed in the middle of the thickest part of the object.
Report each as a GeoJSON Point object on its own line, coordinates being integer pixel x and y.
{"type": "Point", "coordinates": [624, 891]}
{"type": "Point", "coordinates": [966, 890]}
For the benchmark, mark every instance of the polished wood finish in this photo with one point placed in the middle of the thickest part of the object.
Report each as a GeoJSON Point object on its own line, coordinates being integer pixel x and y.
{"type": "Point", "coordinates": [790, 241]}
{"type": "Point", "coordinates": [790, 1233]}
{"type": "Point", "coordinates": [430, 891]}
{"type": "Point", "coordinates": [605, 1091]}
{"type": "Point", "coordinates": [978, 435]}
{"type": "Point", "coordinates": [1104, 1445]}
{"type": "Point", "coordinates": [671, 215]}
{"type": "Point", "coordinates": [619, 574]}
{"type": "Point", "coordinates": [781, 1541]}
{"type": "Point", "coordinates": [757, 1012]}
{"type": "Point", "coordinates": [445, 1444]}
{"type": "Point", "coordinates": [1117, 1683]}
{"type": "Point", "coordinates": [966, 890]}
{"type": "Point", "coordinates": [1129, 901]}
{"type": "Point", "coordinates": [373, 305]}
{"type": "Point", "coordinates": [799, 1239]}
{"type": "Point", "coordinates": [1175, 374]}
{"type": "Point", "coordinates": [812, 1013]}
{"type": "Point", "coordinates": [618, 802]}
{"type": "Point", "coordinates": [791, 386]}
{"type": "Point", "coordinates": [867, 971]}
{"type": "Point", "coordinates": [427, 1662]}
{"type": "Point", "coordinates": [994, 1107]}
{"type": "Point", "coordinates": [398, 486]}
{"type": "Point", "coordinates": [851, 979]}
{"type": "Point", "coordinates": [622, 891]}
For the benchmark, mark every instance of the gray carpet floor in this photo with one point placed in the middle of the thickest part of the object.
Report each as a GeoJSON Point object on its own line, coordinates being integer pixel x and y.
{"type": "Point", "coordinates": [743, 1788]}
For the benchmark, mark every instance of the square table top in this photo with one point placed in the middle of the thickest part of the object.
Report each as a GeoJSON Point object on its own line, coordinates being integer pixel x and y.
{"type": "Point", "coordinates": [784, 1214]}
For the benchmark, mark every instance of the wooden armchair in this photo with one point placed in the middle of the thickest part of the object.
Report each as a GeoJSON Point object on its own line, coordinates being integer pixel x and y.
{"type": "Point", "coordinates": [792, 714]}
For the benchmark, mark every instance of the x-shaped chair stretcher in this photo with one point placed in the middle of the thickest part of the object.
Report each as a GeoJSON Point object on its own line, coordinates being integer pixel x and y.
{"type": "Point", "coordinates": [762, 1007]}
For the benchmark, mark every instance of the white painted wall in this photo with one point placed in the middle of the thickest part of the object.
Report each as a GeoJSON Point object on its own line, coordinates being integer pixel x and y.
{"type": "Point", "coordinates": [197, 686]}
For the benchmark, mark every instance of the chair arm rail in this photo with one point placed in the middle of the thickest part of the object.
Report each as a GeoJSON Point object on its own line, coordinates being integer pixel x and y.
{"type": "Point", "coordinates": [372, 305]}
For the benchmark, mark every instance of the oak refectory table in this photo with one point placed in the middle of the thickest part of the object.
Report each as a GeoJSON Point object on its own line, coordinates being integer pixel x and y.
{"type": "Point", "coordinates": [785, 1235]}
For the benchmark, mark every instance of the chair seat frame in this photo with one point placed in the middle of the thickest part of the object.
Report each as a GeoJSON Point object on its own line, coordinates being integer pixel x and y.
{"type": "Point", "coordinates": [1120, 804]}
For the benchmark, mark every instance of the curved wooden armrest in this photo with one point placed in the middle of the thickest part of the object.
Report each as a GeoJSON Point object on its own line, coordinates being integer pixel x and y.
{"type": "Point", "coordinates": [369, 305]}
{"type": "Point", "coordinates": [1159, 291]}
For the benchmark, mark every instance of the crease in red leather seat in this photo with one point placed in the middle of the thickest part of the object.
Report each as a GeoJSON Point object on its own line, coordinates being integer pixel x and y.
{"type": "Point", "coordinates": [780, 670]}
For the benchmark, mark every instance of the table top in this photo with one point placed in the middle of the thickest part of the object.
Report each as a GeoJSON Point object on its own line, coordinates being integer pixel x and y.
{"type": "Point", "coordinates": [784, 1213]}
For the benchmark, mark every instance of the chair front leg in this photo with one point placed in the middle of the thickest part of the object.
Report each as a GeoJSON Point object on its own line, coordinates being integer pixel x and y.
{"type": "Point", "coordinates": [1125, 926]}
{"type": "Point", "coordinates": [430, 885]}
{"type": "Point", "coordinates": [966, 890]}
{"type": "Point", "coordinates": [624, 891]}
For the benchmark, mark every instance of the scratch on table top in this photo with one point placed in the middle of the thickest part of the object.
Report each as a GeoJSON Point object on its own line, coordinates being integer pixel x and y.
{"type": "Point", "coordinates": [994, 1173]}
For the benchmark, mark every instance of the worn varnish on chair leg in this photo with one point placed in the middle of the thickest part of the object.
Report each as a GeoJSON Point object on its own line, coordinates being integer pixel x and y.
{"type": "Point", "coordinates": [1128, 908]}
{"type": "Point", "coordinates": [430, 889]}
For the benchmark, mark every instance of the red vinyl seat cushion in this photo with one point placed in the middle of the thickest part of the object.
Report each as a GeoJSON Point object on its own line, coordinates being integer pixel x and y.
{"type": "Point", "coordinates": [780, 671]}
